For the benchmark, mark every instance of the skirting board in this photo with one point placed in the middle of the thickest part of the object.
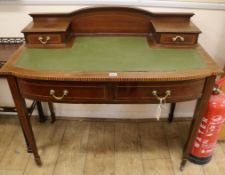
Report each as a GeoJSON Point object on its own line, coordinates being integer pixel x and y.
{"type": "Point", "coordinates": [117, 114]}
{"type": "Point", "coordinates": [107, 115]}
{"type": "Point", "coordinates": [92, 119]}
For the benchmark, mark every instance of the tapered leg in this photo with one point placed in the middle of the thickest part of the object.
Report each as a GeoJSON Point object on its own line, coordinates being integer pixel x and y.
{"type": "Point", "coordinates": [50, 105]}
{"type": "Point", "coordinates": [171, 114]}
{"type": "Point", "coordinates": [29, 149]}
{"type": "Point", "coordinates": [183, 163]}
{"type": "Point", "coordinates": [23, 117]}
{"type": "Point", "coordinates": [200, 110]}
{"type": "Point", "coordinates": [42, 117]}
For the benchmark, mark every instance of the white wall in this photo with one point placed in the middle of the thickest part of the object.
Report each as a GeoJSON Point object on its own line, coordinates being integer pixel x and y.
{"type": "Point", "coordinates": [211, 22]}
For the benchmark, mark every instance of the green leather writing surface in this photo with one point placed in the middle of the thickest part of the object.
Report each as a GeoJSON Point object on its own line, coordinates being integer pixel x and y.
{"type": "Point", "coordinates": [110, 54]}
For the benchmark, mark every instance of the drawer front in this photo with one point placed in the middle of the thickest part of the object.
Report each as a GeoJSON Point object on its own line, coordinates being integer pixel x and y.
{"type": "Point", "coordinates": [63, 91]}
{"type": "Point", "coordinates": [140, 92]}
{"type": "Point", "coordinates": [44, 39]}
{"type": "Point", "coordinates": [179, 39]}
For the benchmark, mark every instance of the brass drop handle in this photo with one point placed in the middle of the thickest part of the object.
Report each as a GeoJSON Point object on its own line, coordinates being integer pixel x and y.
{"type": "Point", "coordinates": [52, 93]}
{"type": "Point", "coordinates": [161, 99]}
{"type": "Point", "coordinates": [178, 37]}
{"type": "Point", "coordinates": [44, 41]}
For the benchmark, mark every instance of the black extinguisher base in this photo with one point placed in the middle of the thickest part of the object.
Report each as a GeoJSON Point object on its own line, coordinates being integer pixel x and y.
{"type": "Point", "coordinates": [199, 160]}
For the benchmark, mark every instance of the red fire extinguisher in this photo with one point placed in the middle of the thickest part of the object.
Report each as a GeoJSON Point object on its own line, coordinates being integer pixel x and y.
{"type": "Point", "coordinates": [211, 124]}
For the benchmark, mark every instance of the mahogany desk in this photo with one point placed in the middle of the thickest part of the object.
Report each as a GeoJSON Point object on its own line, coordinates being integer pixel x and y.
{"type": "Point", "coordinates": [111, 55]}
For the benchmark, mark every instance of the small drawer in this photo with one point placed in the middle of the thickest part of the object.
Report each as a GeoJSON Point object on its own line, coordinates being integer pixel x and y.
{"type": "Point", "coordinates": [144, 92]}
{"type": "Point", "coordinates": [63, 91]}
{"type": "Point", "coordinates": [178, 39]}
{"type": "Point", "coordinates": [44, 38]}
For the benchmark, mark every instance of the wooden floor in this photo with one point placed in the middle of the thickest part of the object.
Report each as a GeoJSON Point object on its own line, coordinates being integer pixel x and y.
{"type": "Point", "coordinates": [101, 148]}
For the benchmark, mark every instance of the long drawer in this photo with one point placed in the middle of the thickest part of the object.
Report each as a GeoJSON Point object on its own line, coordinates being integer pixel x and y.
{"type": "Point", "coordinates": [57, 91]}
{"type": "Point", "coordinates": [151, 92]}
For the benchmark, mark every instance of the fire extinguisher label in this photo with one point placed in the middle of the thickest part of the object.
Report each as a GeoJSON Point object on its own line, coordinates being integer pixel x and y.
{"type": "Point", "coordinates": [207, 136]}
